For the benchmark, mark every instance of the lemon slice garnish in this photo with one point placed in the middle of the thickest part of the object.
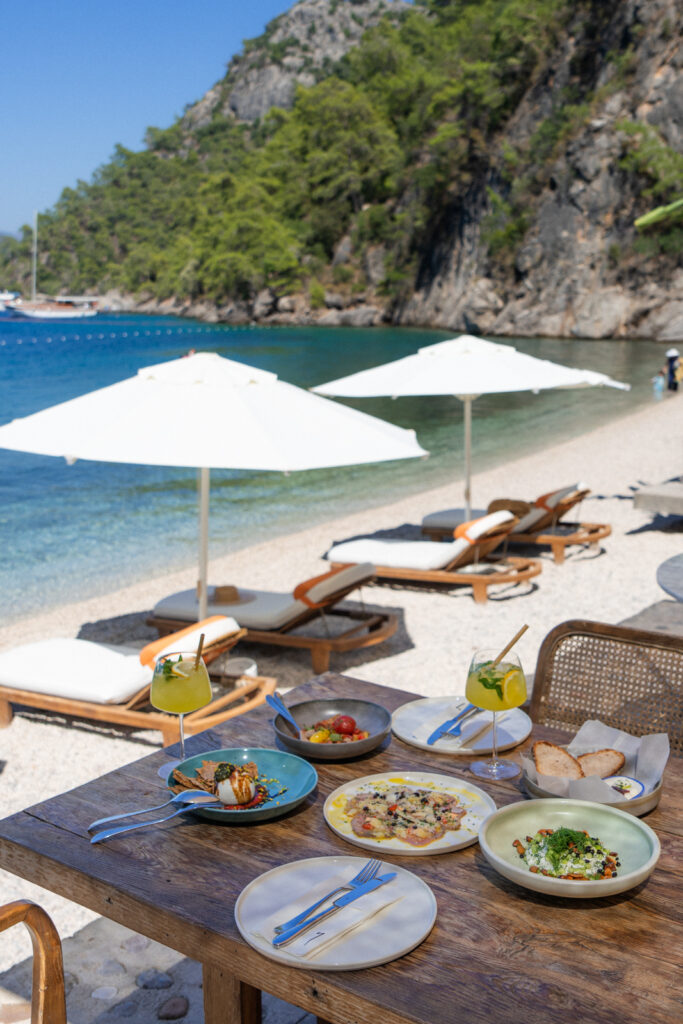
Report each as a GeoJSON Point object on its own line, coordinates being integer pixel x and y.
{"type": "Point", "coordinates": [514, 688]}
{"type": "Point", "coordinates": [176, 671]}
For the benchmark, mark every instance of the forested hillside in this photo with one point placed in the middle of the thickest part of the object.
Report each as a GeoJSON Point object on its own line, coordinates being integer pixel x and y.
{"type": "Point", "coordinates": [474, 164]}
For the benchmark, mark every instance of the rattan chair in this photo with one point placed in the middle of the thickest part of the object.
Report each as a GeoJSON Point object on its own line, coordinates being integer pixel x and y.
{"type": "Point", "coordinates": [627, 678]}
{"type": "Point", "coordinates": [48, 1004]}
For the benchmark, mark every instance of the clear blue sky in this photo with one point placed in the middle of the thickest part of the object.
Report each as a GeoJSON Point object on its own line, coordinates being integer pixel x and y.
{"type": "Point", "coordinates": [78, 76]}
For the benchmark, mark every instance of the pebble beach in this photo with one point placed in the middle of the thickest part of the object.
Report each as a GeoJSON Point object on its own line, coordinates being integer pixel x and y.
{"type": "Point", "coordinates": [429, 654]}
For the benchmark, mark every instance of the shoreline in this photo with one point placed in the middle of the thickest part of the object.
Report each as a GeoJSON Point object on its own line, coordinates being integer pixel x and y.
{"type": "Point", "coordinates": [615, 313]}
{"type": "Point", "coordinates": [253, 564]}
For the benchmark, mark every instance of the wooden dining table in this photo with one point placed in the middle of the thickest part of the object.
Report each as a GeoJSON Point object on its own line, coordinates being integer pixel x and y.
{"type": "Point", "coordinates": [498, 953]}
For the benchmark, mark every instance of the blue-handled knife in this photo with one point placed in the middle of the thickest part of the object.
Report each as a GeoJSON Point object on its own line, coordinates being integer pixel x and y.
{"type": "Point", "coordinates": [343, 901]}
{"type": "Point", "coordinates": [464, 713]}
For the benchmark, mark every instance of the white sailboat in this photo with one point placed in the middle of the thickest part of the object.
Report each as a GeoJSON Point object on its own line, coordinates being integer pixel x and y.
{"type": "Point", "coordinates": [62, 307]}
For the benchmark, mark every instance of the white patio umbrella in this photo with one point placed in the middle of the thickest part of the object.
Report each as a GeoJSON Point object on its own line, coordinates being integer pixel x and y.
{"type": "Point", "coordinates": [465, 367]}
{"type": "Point", "coordinates": [205, 411]}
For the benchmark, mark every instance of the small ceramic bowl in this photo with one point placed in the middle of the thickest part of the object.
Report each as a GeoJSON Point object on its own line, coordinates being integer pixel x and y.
{"type": "Point", "coordinates": [635, 842]}
{"type": "Point", "coordinates": [369, 717]}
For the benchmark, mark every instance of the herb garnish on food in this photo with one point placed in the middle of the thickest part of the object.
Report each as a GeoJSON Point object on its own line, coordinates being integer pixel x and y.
{"type": "Point", "coordinates": [568, 853]}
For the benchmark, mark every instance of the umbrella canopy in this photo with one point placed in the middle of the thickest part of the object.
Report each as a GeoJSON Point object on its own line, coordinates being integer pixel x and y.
{"type": "Point", "coordinates": [465, 367]}
{"type": "Point", "coordinates": [205, 411]}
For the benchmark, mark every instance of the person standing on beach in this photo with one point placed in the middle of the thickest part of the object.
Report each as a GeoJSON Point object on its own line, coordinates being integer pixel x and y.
{"type": "Point", "coordinates": [672, 369]}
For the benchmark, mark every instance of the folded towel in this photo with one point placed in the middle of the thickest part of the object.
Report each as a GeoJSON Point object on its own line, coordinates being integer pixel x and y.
{"type": "Point", "coordinates": [318, 938]}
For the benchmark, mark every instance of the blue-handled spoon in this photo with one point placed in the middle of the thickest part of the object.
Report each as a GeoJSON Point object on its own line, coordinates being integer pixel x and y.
{"type": "Point", "coordinates": [277, 704]}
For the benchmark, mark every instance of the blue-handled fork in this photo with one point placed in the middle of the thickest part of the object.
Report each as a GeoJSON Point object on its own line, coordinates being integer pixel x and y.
{"type": "Point", "coordinates": [367, 872]}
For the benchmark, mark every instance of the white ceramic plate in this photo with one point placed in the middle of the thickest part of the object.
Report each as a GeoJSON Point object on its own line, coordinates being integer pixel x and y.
{"type": "Point", "coordinates": [478, 803]}
{"type": "Point", "coordinates": [634, 841]}
{"type": "Point", "coordinates": [415, 722]}
{"type": "Point", "coordinates": [392, 933]}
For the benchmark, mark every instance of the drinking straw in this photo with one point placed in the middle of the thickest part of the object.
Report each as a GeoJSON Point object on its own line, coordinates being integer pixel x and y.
{"type": "Point", "coordinates": [201, 644]}
{"type": "Point", "coordinates": [512, 643]}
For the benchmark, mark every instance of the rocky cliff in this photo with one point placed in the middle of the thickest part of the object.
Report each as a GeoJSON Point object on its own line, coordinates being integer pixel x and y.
{"type": "Point", "coordinates": [295, 49]}
{"type": "Point", "coordinates": [571, 263]}
{"type": "Point", "coordinates": [575, 271]}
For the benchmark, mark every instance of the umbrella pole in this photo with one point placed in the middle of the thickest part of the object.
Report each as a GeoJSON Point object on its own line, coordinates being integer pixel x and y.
{"type": "Point", "coordinates": [202, 595]}
{"type": "Point", "coordinates": [468, 457]}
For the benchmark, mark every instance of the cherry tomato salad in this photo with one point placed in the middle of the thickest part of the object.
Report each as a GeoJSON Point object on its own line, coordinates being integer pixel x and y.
{"type": "Point", "coordinates": [340, 729]}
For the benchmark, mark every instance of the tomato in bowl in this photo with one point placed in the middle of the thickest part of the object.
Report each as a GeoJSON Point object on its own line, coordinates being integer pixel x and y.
{"type": "Point", "coordinates": [336, 729]}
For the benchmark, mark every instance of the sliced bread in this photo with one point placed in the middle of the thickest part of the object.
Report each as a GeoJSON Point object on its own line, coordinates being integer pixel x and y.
{"type": "Point", "coordinates": [553, 760]}
{"type": "Point", "coordinates": [602, 762]}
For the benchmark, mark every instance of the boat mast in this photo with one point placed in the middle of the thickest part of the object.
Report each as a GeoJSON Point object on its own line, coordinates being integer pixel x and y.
{"type": "Point", "coordinates": [34, 264]}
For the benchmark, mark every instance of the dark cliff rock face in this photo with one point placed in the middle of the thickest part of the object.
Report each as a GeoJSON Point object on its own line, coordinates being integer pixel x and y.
{"type": "Point", "coordinates": [294, 49]}
{"type": "Point", "coordinates": [573, 273]}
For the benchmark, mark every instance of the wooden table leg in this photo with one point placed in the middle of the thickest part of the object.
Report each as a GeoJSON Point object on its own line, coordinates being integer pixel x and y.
{"type": "Point", "coordinates": [227, 1000]}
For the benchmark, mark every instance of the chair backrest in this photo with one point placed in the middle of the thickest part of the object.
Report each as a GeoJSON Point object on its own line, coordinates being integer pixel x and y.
{"type": "Point", "coordinates": [48, 1004]}
{"type": "Point", "coordinates": [478, 538]}
{"type": "Point", "coordinates": [548, 509]}
{"type": "Point", "coordinates": [331, 587]}
{"type": "Point", "coordinates": [627, 678]}
{"type": "Point", "coordinates": [216, 629]}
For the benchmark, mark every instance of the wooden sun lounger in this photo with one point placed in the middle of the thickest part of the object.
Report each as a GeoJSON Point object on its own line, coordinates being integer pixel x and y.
{"type": "Point", "coordinates": [516, 570]}
{"type": "Point", "coordinates": [137, 712]}
{"type": "Point", "coordinates": [549, 531]}
{"type": "Point", "coordinates": [366, 629]}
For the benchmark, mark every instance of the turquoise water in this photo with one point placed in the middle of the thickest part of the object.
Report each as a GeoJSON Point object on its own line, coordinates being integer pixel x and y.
{"type": "Point", "coordinates": [70, 532]}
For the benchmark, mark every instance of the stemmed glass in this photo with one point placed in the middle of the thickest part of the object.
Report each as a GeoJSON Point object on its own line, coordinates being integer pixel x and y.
{"type": "Point", "coordinates": [495, 687]}
{"type": "Point", "coordinates": [180, 684]}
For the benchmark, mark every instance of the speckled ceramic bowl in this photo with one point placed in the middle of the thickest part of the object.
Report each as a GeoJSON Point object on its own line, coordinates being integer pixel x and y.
{"type": "Point", "coordinates": [369, 717]}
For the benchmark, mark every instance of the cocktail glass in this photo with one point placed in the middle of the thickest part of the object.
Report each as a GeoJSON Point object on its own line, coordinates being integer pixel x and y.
{"type": "Point", "coordinates": [180, 684]}
{"type": "Point", "coordinates": [495, 688]}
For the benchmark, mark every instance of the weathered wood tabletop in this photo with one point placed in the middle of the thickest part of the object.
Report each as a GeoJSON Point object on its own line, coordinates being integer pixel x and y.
{"type": "Point", "coordinates": [498, 954]}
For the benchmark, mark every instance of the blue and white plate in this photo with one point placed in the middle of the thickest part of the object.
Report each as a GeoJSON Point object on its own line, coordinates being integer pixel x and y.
{"type": "Point", "coordinates": [282, 770]}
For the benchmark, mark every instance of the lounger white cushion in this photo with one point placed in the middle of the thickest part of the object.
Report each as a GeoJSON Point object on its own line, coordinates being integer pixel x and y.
{"type": "Point", "coordinates": [83, 670]}
{"type": "Point", "coordinates": [262, 609]}
{"type": "Point", "coordinates": [74, 669]}
{"type": "Point", "coordinates": [414, 554]}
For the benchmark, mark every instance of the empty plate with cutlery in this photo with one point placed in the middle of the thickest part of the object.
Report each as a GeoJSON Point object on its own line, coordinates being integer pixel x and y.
{"type": "Point", "coordinates": [416, 722]}
{"type": "Point", "coordinates": [368, 923]}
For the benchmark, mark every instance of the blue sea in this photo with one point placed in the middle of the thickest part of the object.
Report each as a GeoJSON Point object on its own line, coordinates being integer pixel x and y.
{"type": "Point", "coordinates": [72, 532]}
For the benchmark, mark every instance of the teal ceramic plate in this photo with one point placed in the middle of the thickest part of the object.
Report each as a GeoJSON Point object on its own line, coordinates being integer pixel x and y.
{"type": "Point", "coordinates": [634, 841]}
{"type": "Point", "coordinates": [296, 775]}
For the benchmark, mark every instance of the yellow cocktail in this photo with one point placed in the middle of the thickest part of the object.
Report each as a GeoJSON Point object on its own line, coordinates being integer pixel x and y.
{"type": "Point", "coordinates": [495, 687]}
{"type": "Point", "coordinates": [180, 684]}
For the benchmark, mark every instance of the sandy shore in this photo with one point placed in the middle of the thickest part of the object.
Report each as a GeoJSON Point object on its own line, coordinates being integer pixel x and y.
{"type": "Point", "coordinates": [438, 631]}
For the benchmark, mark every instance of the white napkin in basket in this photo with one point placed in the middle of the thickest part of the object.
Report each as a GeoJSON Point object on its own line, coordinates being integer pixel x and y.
{"type": "Point", "coordinates": [320, 937]}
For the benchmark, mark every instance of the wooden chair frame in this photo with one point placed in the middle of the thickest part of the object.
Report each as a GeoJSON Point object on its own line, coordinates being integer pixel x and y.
{"type": "Point", "coordinates": [48, 1003]}
{"type": "Point", "coordinates": [630, 679]}
{"type": "Point", "coordinates": [137, 711]}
